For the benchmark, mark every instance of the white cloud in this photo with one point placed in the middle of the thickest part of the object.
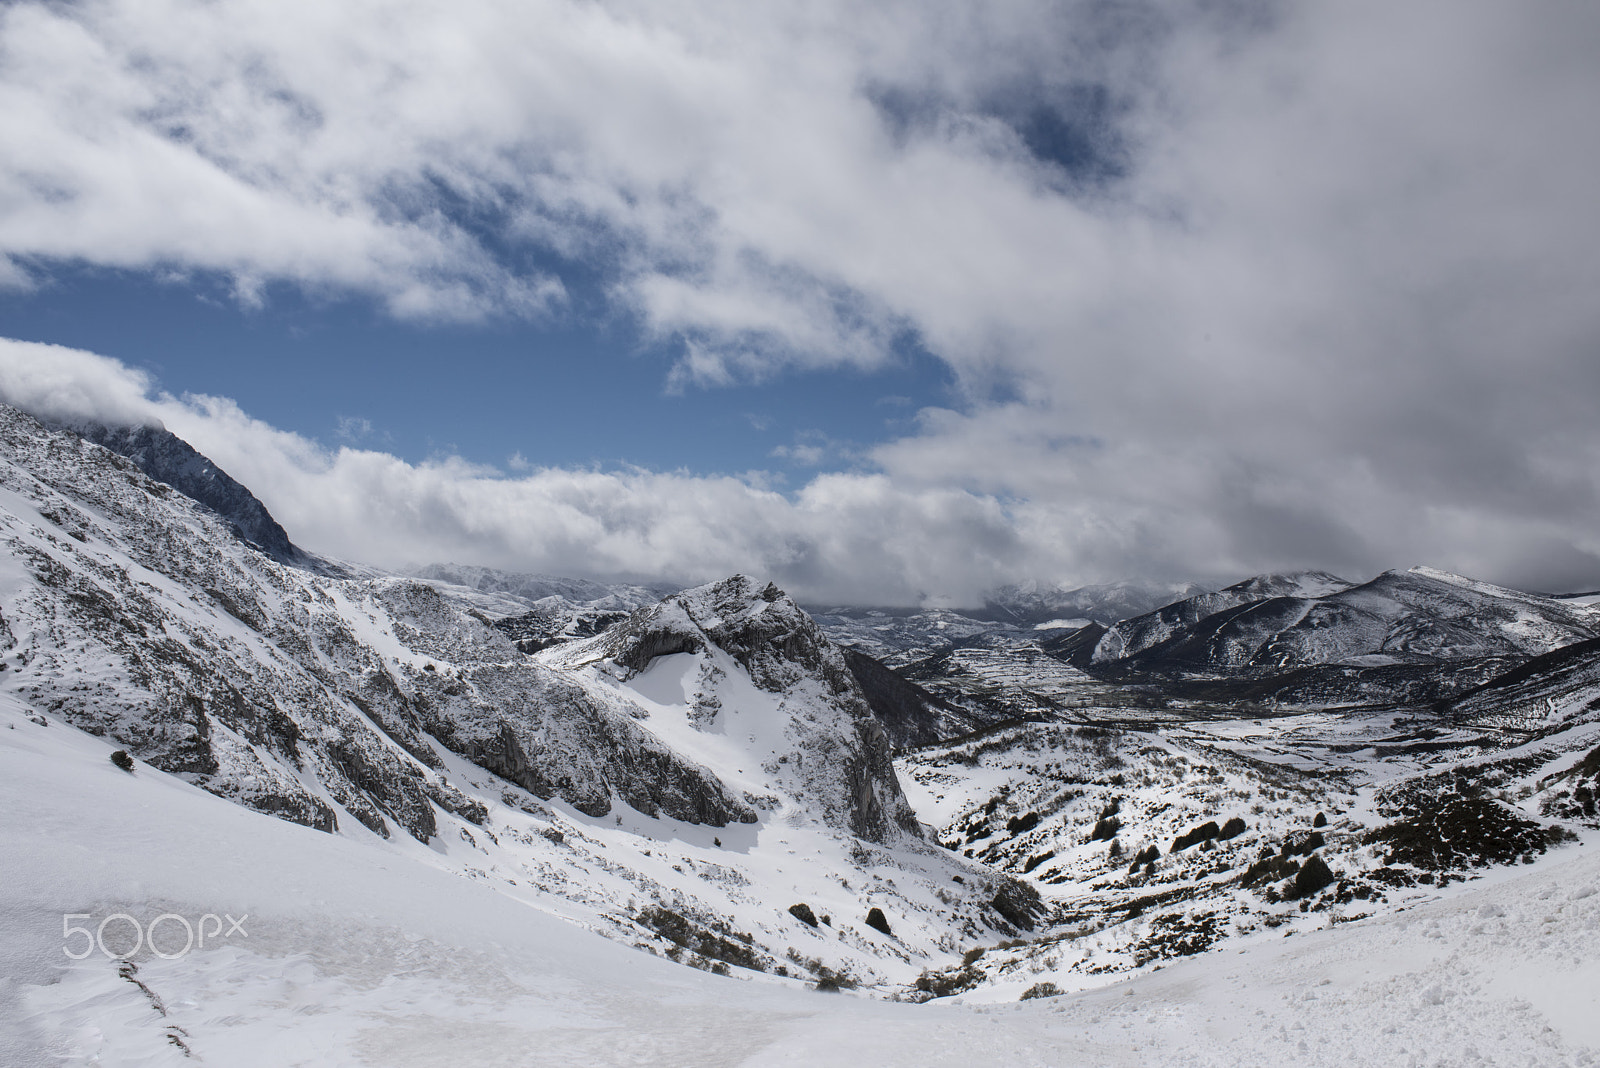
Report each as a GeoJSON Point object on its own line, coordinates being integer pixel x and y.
{"type": "Point", "coordinates": [1330, 300]}
{"type": "Point", "coordinates": [353, 428]}
{"type": "Point", "coordinates": [901, 536]}
{"type": "Point", "coordinates": [71, 386]}
{"type": "Point", "coordinates": [840, 538]}
{"type": "Point", "coordinates": [814, 448]}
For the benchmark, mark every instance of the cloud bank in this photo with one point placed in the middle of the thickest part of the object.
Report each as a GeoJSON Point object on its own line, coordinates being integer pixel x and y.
{"type": "Point", "coordinates": [885, 537]}
{"type": "Point", "coordinates": [1226, 287]}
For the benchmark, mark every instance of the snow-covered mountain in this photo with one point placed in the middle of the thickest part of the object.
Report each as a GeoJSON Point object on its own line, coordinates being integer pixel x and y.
{"type": "Point", "coordinates": [169, 459]}
{"type": "Point", "coordinates": [1019, 614]}
{"type": "Point", "coordinates": [357, 953]}
{"type": "Point", "coordinates": [737, 675]}
{"type": "Point", "coordinates": [649, 782]}
{"type": "Point", "coordinates": [1034, 603]}
{"type": "Point", "coordinates": [710, 777]}
{"type": "Point", "coordinates": [1276, 622]}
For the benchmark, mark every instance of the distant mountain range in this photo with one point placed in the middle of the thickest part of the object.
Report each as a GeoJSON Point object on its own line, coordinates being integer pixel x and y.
{"type": "Point", "coordinates": [1274, 622]}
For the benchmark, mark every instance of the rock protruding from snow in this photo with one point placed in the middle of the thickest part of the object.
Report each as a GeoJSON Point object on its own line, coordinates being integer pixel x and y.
{"type": "Point", "coordinates": [801, 713]}
{"type": "Point", "coordinates": [167, 458]}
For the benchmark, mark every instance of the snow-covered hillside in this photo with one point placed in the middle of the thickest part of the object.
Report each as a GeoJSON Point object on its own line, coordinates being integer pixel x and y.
{"type": "Point", "coordinates": [680, 781]}
{"type": "Point", "coordinates": [356, 951]}
{"type": "Point", "coordinates": [1277, 622]}
{"type": "Point", "coordinates": [456, 837]}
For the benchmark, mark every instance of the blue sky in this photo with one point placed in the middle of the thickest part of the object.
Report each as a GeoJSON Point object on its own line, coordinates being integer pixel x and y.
{"type": "Point", "coordinates": [567, 390]}
{"type": "Point", "coordinates": [890, 302]}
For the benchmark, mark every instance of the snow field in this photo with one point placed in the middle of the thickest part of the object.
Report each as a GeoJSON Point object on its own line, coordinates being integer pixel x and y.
{"type": "Point", "coordinates": [357, 955]}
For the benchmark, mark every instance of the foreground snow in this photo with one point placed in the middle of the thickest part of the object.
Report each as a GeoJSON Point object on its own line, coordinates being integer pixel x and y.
{"type": "Point", "coordinates": [357, 954]}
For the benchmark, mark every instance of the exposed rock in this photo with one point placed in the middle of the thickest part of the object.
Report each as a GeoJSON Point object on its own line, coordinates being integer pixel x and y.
{"type": "Point", "coordinates": [908, 714]}
{"type": "Point", "coordinates": [1019, 903]}
{"type": "Point", "coordinates": [250, 679]}
{"type": "Point", "coordinates": [167, 458]}
{"type": "Point", "coordinates": [838, 759]}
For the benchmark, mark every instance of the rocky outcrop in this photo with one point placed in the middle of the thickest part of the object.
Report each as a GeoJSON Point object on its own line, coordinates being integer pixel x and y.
{"type": "Point", "coordinates": [261, 682]}
{"type": "Point", "coordinates": [167, 458]}
{"type": "Point", "coordinates": [908, 714]}
{"type": "Point", "coordinates": [836, 758]}
{"type": "Point", "coordinates": [557, 739]}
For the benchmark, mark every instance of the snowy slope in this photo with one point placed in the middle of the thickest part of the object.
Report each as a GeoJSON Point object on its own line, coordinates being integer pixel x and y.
{"type": "Point", "coordinates": [681, 781]}
{"type": "Point", "coordinates": [343, 962]}
{"type": "Point", "coordinates": [736, 674]}
{"type": "Point", "coordinates": [1276, 622]}
{"type": "Point", "coordinates": [703, 780]}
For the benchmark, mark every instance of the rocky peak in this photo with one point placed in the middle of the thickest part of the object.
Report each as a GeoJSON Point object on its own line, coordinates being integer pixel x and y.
{"type": "Point", "coordinates": [764, 630]}
{"type": "Point", "coordinates": [826, 747]}
{"type": "Point", "coordinates": [167, 458]}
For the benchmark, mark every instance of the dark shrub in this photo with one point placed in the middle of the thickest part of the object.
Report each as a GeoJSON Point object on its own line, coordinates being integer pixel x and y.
{"type": "Point", "coordinates": [1299, 843]}
{"type": "Point", "coordinates": [1035, 861]}
{"type": "Point", "coordinates": [944, 984]}
{"type": "Point", "coordinates": [1268, 869]}
{"type": "Point", "coordinates": [122, 760]}
{"type": "Point", "coordinates": [1040, 990]}
{"type": "Point", "coordinates": [1320, 820]}
{"type": "Point", "coordinates": [833, 981]}
{"type": "Point", "coordinates": [1020, 824]}
{"type": "Point", "coordinates": [877, 921]}
{"type": "Point", "coordinates": [1313, 875]}
{"type": "Point", "coordinates": [1232, 829]}
{"type": "Point", "coordinates": [724, 944]}
{"type": "Point", "coordinates": [803, 913]}
{"type": "Point", "coordinates": [1105, 830]}
{"type": "Point", "coordinates": [1202, 833]}
{"type": "Point", "coordinates": [1449, 825]}
{"type": "Point", "coordinates": [1175, 936]}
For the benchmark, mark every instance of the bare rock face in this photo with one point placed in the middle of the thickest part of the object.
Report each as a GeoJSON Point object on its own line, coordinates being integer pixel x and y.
{"type": "Point", "coordinates": [557, 739]}
{"type": "Point", "coordinates": [909, 714]}
{"type": "Point", "coordinates": [834, 756]}
{"type": "Point", "coordinates": [167, 458]}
